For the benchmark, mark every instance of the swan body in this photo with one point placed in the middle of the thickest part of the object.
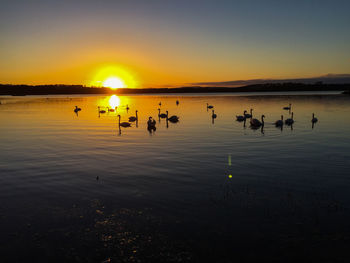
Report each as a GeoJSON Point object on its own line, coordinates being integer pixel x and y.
{"type": "Point", "coordinates": [177, 102]}
{"type": "Point", "coordinates": [124, 124]}
{"type": "Point", "coordinates": [289, 121]}
{"type": "Point", "coordinates": [133, 118]}
{"type": "Point", "coordinates": [314, 119]}
{"type": "Point", "coordinates": [241, 117]}
{"type": "Point", "coordinates": [151, 123]}
{"type": "Point", "coordinates": [288, 107]}
{"type": "Point", "coordinates": [279, 123]}
{"type": "Point", "coordinates": [161, 115]}
{"type": "Point", "coordinates": [213, 115]}
{"type": "Point", "coordinates": [247, 115]}
{"type": "Point", "coordinates": [255, 123]}
{"type": "Point", "coordinates": [110, 110]}
{"type": "Point", "coordinates": [173, 118]}
{"type": "Point", "coordinates": [210, 106]}
{"type": "Point", "coordinates": [101, 111]}
{"type": "Point", "coordinates": [77, 109]}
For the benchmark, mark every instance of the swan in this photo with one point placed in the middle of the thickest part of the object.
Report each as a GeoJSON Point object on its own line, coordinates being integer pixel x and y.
{"type": "Point", "coordinates": [279, 123]}
{"type": "Point", "coordinates": [288, 108]}
{"type": "Point", "coordinates": [177, 102]}
{"type": "Point", "coordinates": [209, 106]}
{"type": "Point", "coordinates": [77, 109]}
{"type": "Point", "coordinates": [123, 124]}
{"type": "Point", "coordinates": [255, 123]}
{"type": "Point", "coordinates": [247, 115]}
{"type": "Point", "coordinates": [314, 119]}
{"type": "Point", "coordinates": [241, 117]}
{"type": "Point", "coordinates": [110, 110]}
{"type": "Point", "coordinates": [290, 121]}
{"type": "Point", "coordinates": [127, 107]}
{"type": "Point", "coordinates": [160, 103]}
{"type": "Point", "coordinates": [101, 111]}
{"type": "Point", "coordinates": [213, 115]}
{"type": "Point", "coordinates": [151, 123]}
{"type": "Point", "coordinates": [173, 118]}
{"type": "Point", "coordinates": [133, 118]}
{"type": "Point", "coordinates": [161, 115]}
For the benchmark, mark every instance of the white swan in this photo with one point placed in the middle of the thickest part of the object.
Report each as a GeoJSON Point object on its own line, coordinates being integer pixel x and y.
{"type": "Point", "coordinates": [123, 124]}
{"type": "Point", "coordinates": [133, 118]}
{"type": "Point", "coordinates": [290, 121]}
{"type": "Point", "coordinates": [279, 123]}
{"type": "Point", "coordinates": [241, 117]}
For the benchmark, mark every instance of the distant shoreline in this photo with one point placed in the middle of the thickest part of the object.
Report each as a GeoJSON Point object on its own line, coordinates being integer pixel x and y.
{"type": "Point", "coordinates": [23, 90]}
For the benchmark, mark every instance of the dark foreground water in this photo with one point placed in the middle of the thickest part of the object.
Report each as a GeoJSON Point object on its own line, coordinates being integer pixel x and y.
{"type": "Point", "coordinates": [193, 191]}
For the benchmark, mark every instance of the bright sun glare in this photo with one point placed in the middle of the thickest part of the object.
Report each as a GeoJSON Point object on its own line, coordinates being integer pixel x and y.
{"type": "Point", "coordinates": [114, 83]}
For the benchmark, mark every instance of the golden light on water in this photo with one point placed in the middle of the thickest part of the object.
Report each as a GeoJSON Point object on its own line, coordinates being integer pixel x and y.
{"type": "Point", "coordinates": [114, 101]}
{"type": "Point", "coordinates": [114, 77]}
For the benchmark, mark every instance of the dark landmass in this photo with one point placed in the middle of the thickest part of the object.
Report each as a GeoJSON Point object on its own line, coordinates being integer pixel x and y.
{"type": "Point", "coordinates": [22, 90]}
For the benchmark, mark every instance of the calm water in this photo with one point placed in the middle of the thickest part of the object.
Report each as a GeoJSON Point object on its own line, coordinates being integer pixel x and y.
{"type": "Point", "coordinates": [190, 191]}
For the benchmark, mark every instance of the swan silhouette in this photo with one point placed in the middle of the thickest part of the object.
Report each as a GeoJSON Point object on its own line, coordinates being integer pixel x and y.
{"type": "Point", "coordinates": [241, 117]}
{"type": "Point", "coordinates": [247, 115]}
{"type": "Point", "coordinates": [161, 115]}
{"type": "Point", "coordinates": [213, 115]}
{"type": "Point", "coordinates": [151, 123]}
{"type": "Point", "coordinates": [124, 124]}
{"type": "Point", "coordinates": [255, 123]}
{"type": "Point", "coordinates": [279, 123]}
{"type": "Point", "coordinates": [101, 111]}
{"type": "Point", "coordinates": [314, 119]}
{"type": "Point", "coordinates": [173, 118]}
{"type": "Point", "coordinates": [288, 107]}
{"type": "Point", "coordinates": [177, 102]}
{"type": "Point", "coordinates": [209, 106]}
{"type": "Point", "coordinates": [77, 109]}
{"type": "Point", "coordinates": [290, 121]}
{"type": "Point", "coordinates": [110, 110]}
{"type": "Point", "coordinates": [133, 118]}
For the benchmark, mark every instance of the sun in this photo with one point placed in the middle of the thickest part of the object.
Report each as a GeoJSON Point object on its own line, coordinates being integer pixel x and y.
{"type": "Point", "coordinates": [114, 83]}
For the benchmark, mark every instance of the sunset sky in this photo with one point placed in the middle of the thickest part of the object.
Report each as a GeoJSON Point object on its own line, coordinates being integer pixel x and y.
{"type": "Point", "coordinates": [172, 42]}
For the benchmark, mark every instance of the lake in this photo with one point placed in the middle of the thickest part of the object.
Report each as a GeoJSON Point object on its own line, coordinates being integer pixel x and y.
{"type": "Point", "coordinates": [76, 188]}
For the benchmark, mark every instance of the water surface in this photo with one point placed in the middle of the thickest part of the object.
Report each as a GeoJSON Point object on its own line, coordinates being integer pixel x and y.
{"type": "Point", "coordinates": [194, 190]}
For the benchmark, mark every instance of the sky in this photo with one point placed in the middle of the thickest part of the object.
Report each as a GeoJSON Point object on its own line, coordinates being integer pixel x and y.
{"type": "Point", "coordinates": [164, 42]}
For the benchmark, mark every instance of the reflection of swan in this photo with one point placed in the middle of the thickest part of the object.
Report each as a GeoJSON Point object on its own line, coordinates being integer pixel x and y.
{"type": "Point", "coordinates": [255, 123]}
{"type": "Point", "coordinates": [173, 118]}
{"type": "Point", "coordinates": [77, 109]}
{"type": "Point", "coordinates": [314, 119]}
{"type": "Point", "coordinates": [209, 106]}
{"type": "Point", "coordinates": [123, 124]}
{"type": "Point", "coordinates": [288, 108]}
{"type": "Point", "coordinates": [279, 123]}
{"type": "Point", "coordinates": [247, 115]}
{"type": "Point", "coordinates": [241, 117]}
{"type": "Point", "coordinates": [161, 115]}
{"type": "Point", "coordinates": [101, 111]}
{"type": "Point", "coordinates": [213, 115]}
{"type": "Point", "coordinates": [290, 121]}
{"type": "Point", "coordinates": [133, 118]}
